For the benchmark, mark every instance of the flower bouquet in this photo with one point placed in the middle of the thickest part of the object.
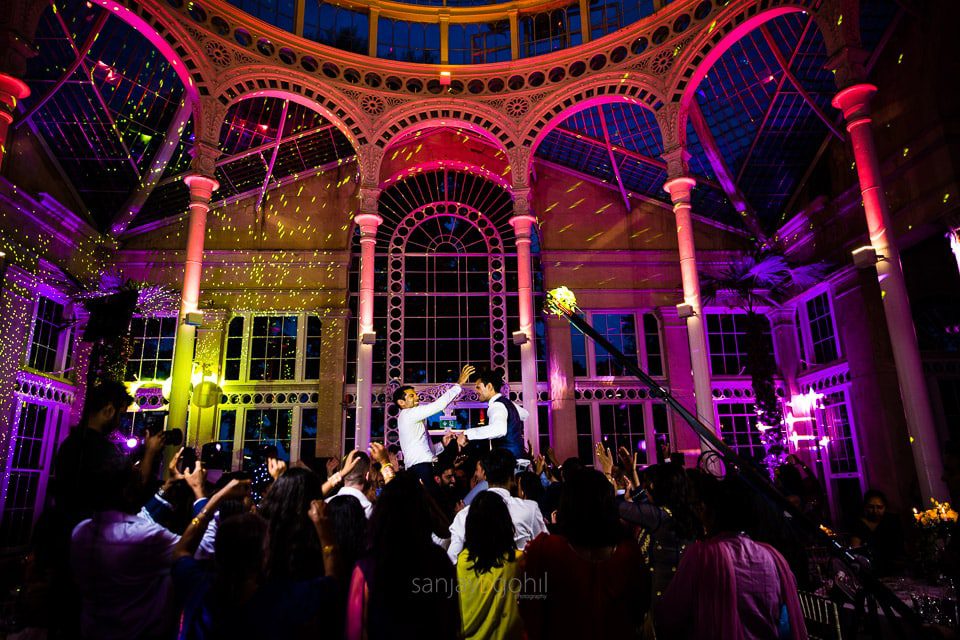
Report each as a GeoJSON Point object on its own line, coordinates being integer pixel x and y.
{"type": "Point", "coordinates": [936, 527]}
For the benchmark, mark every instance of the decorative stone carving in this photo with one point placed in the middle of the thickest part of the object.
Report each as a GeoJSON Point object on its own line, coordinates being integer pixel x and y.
{"type": "Point", "coordinates": [662, 62]}
{"type": "Point", "coordinates": [517, 107]}
{"type": "Point", "coordinates": [520, 166]}
{"type": "Point", "coordinates": [218, 53]}
{"type": "Point", "coordinates": [668, 118]}
{"type": "Point", "coordinates": [371, 157]}
{"type": "Point", "coordinates": [372, 105]}
{"type": "Point", "coordinates": [204, 158]}
{"type": "Point", "coordinates": [196, 34]}
{"type": "Point", "coordinates": [678, 161]}
{"type": "Point", "coordinates": [243, 58]}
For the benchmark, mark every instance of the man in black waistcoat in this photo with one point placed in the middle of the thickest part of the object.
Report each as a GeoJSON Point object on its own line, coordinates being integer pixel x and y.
{"type": "Point", "coordinates": [504, 428]}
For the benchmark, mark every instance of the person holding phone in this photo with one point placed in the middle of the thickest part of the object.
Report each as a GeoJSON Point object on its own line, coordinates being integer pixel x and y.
{"type": "Point", "coordinates": [418, 452]}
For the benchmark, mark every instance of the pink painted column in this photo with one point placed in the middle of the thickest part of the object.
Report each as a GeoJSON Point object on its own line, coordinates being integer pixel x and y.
{"type": "Point", "coordinates": [201, 191]}
{"type": "Point", "coordinates": [368, 220]}
{"type": "Point", "coordinates": [11, 91]}
{"type": "Point", "coordinates": [954, 236]}
{"type": "Point", "coordinates": [679, 189]}
{"type": "Point", "coordinates": [854, 101]}
{"type": "Point", "coordinates": [522, 223]}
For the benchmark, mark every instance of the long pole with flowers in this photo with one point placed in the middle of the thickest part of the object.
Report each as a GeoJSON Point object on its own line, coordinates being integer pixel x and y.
{"type": "Point", "coordinates": [563, 302]}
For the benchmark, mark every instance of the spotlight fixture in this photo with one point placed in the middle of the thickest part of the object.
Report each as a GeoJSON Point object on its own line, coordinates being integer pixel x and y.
{"type": "Point", "coordinates": [865, 257]}
{"type": "Point", "coordinates": [685, 311]}
{"type": "Point", "coordinates": [194, 318]}
{"type": "Point", "coordinates": [519, 337]}
{"type": "Point", "coordinates": [368, 338]}
{"type": "Point", "coordinates": [444, 78]}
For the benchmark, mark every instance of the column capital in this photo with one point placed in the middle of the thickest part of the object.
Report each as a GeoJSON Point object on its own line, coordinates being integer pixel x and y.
{"type": "Point", "coordinates": [854, 102]}
{"type": "Point", "coordinates": [679, 188]}
{"type": "Point", "coordinates": [520, 158]}
{"type": "Point", "coordinates": [521, 201]}
{"type": "Point", "coordinates": [368, 223]}
{"type": "Point", "coordinates": [369, 200]}
{"type": "Point", "coordinates": [204, 156]}
{"type": "Point", "coordinates": [522, 224]}
{"type": "Point", "coordinates": [678, 161]}
{"type": "Point", "coordinates": [201, 187]}
{"type": "Point", "coordinates": [11, 90]}
{"type": "Point", "coordinates": [848, 65]}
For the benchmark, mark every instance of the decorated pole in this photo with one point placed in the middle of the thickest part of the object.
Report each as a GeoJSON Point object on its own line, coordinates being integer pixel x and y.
{"type": "Point", "coordinates": [562, 302]}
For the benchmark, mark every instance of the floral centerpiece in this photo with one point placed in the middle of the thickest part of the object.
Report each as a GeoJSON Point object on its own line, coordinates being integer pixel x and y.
{"type": "Point", "coordinates": [936, 527]}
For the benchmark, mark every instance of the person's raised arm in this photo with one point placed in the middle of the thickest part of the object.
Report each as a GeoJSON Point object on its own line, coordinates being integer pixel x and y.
{"type": "Point", "coordinates": [424, 411]}
{"type": "Point", "coordinates": [496, 424]}
{"type": "Point", "coordinates": [190, 539]}
{"type": "Point", "coordinates": [328, 542]}
{"type": "Point", "coordinates": [335, 479]}
{"type": "Point", "coordinates": [379, 453]}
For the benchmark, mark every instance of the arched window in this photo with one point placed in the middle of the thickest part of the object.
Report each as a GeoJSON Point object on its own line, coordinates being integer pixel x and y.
{"type": "Point", "coordinates": [445, 290]}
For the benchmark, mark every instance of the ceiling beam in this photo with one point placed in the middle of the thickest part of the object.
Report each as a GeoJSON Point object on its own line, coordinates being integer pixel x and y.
{"type": "Point", "coordinates": [216, 204]}
{"type": "Point", "coordinates": [724, 175]}
{"type": "Point", "coordinates": [81, 53]}
{"type": "Point", "coordinates": [103, 104]}
{"type": "Point", "coordinates": [613, 160]}
{"type": "Point", "coordinates": [633, 155]}
{"type": "Point", "coordinates": [225, 160]}
{"type": "Point", "coordinates": [158, 165]}
{"type": "Point", "coordinates": [273, 159]}
{"type": "Point", "coordinates": [766, 115]}
{"type": "Point", "coordinates": [778, 54]}
{"type": "Point", "coordinates": [665, 206]}
{"type": "Point", "coordinates": [871, 63]}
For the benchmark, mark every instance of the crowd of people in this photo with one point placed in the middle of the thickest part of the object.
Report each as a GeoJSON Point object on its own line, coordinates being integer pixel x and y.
{"type": "Point", "coordinates": [475, 546]}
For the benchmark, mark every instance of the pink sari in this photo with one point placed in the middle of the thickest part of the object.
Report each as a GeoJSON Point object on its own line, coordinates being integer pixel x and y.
{"type": "Point", "coordinates": [705, 586]}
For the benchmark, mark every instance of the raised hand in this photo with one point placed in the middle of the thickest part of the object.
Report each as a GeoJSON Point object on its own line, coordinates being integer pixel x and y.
{"type": "Point", "coordinates": [462, 440]}
{"type": "Point", "coordinates": [333, 464]}
{"type": "Point", "coordinates": [448, 437]}
{"type": "Point", "coordinates": [317, 512]}
{"type": "Point", "coordinates": [173, 470]}
{"type": "Point", "coordinates": [552, 457]}
{"type": "Point", "coordinates": [627, 461]}
{"type": "Point", "coordinates": [539, 462]}
{"type": "Point", "coordinates": [350, 462]}
{"type": "Point", "coordinates": [195, 478]}
{"type": "Point", "coordinates": [379, 453]}
{"type": "Point", "coordinates": [465, 374]}
{"type": "Point", "coordinates": [276, 467]}
{"type": "Point", "coordinates": [604, 459]}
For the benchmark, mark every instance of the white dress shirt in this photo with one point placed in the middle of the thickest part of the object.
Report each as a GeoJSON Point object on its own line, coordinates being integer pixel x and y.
{"type": "Point", "coordinates": [414, 439]}
{"type": "Point", "coordinates": [122, 563]}
{"type": "Point", "coordinates": [496, 421]}
{"type": "Point", "coordinates": [356, 493]}
{"type": "Point", "coordinates": [528, 523]}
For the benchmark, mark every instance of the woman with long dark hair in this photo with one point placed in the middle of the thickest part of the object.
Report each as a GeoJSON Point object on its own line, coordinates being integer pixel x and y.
{"type": "Point", "coordinates": [294, 552]}
{"type": "Point", "coordinates": [487, 572]}
{"type": "Point", "coordinates": [405, 587]}
{"type": "Point", "coordinates": [349, 524]}
{"type": "Point", "coordinates": [588, 581]}
{"type": "Point", "coordinates": [667, 520]}
{"type": "Point", "coordinates": [235, 599]}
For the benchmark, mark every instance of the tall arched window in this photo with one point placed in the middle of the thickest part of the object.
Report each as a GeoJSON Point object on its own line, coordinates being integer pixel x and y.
{"type": "Point", "coordinates": [445, 291]}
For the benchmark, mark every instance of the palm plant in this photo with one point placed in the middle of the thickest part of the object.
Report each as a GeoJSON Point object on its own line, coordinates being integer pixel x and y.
{"type": "Point", "coordinates": [763, 279]}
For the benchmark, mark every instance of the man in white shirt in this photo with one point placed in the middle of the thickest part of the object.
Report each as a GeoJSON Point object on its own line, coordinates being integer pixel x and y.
{"type": "Point", "coordinates": [418, 451]}
{"type": "Point", "coordinates": [355, 483]}
{"type": "Point", "coordinates": [497, 469]}
{"type": "Point", "coordinates": [505, 419]}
